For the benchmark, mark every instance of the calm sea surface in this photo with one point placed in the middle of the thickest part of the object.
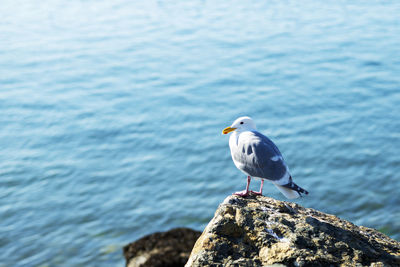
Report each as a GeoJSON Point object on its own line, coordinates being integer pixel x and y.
{"type": "Point", "coordinates": [111, 115]}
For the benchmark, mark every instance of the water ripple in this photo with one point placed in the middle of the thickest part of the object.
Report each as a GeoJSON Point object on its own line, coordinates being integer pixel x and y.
{"type": "Point", "coordinates": [112, 115]}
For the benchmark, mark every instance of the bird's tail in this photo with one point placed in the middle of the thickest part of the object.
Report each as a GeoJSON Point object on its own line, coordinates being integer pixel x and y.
{"type": "Point", "coordinates": [291, 190]}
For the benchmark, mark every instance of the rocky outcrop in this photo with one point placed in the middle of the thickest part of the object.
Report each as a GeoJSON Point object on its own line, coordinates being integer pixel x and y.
{"type": "Point", "coordinates": [261, 231]}
{"type": "Point", "coordinates": [171, 248]}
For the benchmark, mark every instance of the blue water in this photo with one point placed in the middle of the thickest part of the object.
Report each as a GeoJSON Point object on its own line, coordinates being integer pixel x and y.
{"type": "Point", "coordinates": [111, 115]}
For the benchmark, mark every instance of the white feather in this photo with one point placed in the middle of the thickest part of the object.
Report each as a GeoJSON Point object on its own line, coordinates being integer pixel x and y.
{"type": "Point", "coordinates": [289, 193]}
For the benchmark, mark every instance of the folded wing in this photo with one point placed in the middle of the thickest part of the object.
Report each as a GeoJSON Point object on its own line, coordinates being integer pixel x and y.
{"type": "Point", "coordinates": [258, 156]}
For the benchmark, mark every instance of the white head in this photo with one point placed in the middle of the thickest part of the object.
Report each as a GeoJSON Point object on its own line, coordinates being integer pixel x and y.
{"type": "Point", "coordinates": [241, 124]}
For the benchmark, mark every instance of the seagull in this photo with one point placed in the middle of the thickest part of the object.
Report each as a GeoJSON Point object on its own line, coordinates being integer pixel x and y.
{"type": "Point", "coordinates": [257, 156]}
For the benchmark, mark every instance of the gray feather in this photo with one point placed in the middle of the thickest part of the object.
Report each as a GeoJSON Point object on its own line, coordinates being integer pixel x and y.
{"type": "Point", "coordinates": [256, 154]}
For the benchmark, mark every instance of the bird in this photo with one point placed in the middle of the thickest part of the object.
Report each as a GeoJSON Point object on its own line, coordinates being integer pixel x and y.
{"type": "Point", "coordinates": [258, 157]}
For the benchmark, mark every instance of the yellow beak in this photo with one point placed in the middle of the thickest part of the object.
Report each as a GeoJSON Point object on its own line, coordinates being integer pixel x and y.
{"type": "Point", "coordinates": [228, 130]}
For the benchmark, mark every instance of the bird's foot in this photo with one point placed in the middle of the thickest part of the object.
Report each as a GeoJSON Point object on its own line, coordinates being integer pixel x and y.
{"type": "Point", "coordinates": [242, 193]}
{"type": "Point", "coordinates": [256, 193]}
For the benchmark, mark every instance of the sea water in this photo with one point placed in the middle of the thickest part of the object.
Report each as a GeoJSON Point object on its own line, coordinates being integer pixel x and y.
{"type": "Point", "coordinates": [111, 115]}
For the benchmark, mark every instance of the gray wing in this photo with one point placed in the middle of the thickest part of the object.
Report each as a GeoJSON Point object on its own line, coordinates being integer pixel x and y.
{"type": "Point", "coordinates": [259, 157]}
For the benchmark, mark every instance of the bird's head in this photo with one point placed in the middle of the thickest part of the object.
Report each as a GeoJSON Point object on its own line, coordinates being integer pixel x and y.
{"type": "Point", "coordinates": [240, 124]}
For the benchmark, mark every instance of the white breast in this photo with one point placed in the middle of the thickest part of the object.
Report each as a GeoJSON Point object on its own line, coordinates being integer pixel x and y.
{"type": "Point", "coordinates": [233, 145]}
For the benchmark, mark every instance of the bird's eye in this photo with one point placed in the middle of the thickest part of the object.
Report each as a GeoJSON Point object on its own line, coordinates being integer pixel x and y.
{"type": "Point", "coordinates": [241, 122]}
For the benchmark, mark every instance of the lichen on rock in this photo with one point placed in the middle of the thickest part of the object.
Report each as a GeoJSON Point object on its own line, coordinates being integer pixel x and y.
{"type": "Point", "coordinates": [261, 231]}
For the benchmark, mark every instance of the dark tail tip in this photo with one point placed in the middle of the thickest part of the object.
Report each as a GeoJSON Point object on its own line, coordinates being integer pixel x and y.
{"type": "Point", "coordinates": [296, 188]}
{"type": "Point", "coordinates": [301, 190]}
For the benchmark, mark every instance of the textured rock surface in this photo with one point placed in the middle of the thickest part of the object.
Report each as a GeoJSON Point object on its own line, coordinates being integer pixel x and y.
{"type": "Point", "coordinates": [171, 248]}
{"type": "Point", "coordinates": [261, 231]}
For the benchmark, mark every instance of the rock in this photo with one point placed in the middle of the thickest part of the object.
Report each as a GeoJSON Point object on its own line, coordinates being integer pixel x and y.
{"type": "Point", "coordinates": [171, 248]}
{"type": "Point", "coordinates": [261, 231]}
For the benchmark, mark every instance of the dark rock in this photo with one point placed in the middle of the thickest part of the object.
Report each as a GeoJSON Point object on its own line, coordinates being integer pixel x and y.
{"type": "Point", "coordinates": [171, 248]}
{"type": "Point", "coordinates": [261, 231]}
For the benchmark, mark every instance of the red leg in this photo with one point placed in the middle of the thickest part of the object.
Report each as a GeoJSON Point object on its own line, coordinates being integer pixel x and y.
{"type": "Point", "coordinates": [244, 192]}
{"type": "Point", "coordinates": [261, 188]}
